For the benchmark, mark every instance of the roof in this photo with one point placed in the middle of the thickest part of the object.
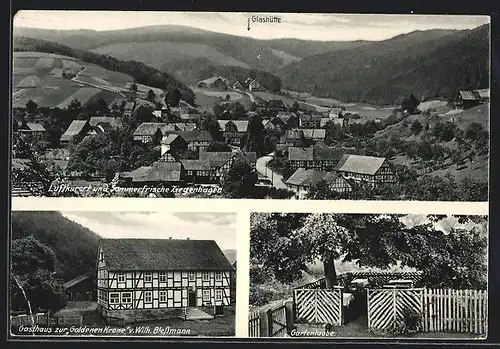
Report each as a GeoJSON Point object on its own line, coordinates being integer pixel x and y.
{"type": "Point", "coordinates": [163, 254]}
{"type": "Point", "coordinates": [483, 93]}
{"type": "Point", "coordinates": [185, 126]}
{"type": "Point", "coordinates": [249, 156]}
{"type": "Point", "coordinates": [35, 127]}
{"type": "Point", "coordinates": [241, 125]}
{"type": "Point", "coordinates": [190, 116]}
{"type": "Point", "coordinates": [294, 134]}
{"type": "Point", "coordinates": [169, 139]}
{"type": "Point", "coordinates": [469, 95]}
{"type": "Point", "coordinates": [299, 153]}
{"type": "Point", "coordinates": [129, 105]}
{"type": "Point", "coordinates": [310, 117]}
{"type": "Point", "coordinates": [195, 165]}
{"type": "Point", "coordinates": [21, 164]}
{"type": "Point", "coordinates": [194, 136]}
{"type": "Point", "coordinates": [74, 129]}
{"type": "Point", "coordinates": [211, 80]}
{"type": "Point", "coordinates": [216, 158]}
{"type": "Point", "coordinates": [77, 280]}
{"type": "Point", "coordinates": [308, 178]}
{"type": "Point", "coordinates": [114, 122]}
{"type": "Point", "coordinates": [324, 121]}
{"type": "Point", "coordinates": [359, 164]}
{"type": "Point", "coordinates": [314, 133]}
{"type": "Point", "coordinates": [150, 128]}
{"type": "Point", "coordinates": [158, 172]}
{"type": "Point", "coordinates": [335, 110]}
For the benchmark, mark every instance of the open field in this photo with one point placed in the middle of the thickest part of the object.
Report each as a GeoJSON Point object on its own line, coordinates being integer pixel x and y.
{"type": "Point", "coordinates": [215, 93]}
{"type": "Point", "coordinates": [157, 54]}
{"type": "Point", "coordinates": [286, 57]}
{"type": "Point", "coordinates": [83, 95]}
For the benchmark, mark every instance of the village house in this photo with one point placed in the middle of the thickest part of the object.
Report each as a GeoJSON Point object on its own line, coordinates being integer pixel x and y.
{"type": "Point", "coordinates": [128, 108]}
{"type": "Point", "coordinates": [173, 144]}
{"type": "Point", "coordinates": [215, 82]}
{"type": "Point", "coordinates": [335, 113]}
{"type": "Point", "coordinates": [318, 156]}
{"type": "Point", "coordinates": [149, 132]}
{"type": "Point", "coordinates": [144, 279]}
{"type": "Point", "coordinates": [81, 289]}
{"type": "Point", "coordinates": [302, 180]}
{"type": "Point", "coordinates": [274, 124]}
{"type": "Point", "coordinates": [314, 135]}
{"type": "Point", "coordinates": [103, 124]}
{"type": "Point", "coordinates": [310, 120]}
{"type": "Point", "coordinates": [252, 84]}
{"type": "Point", "coordinates": [469, 99]}
{"type": "Point", "coordinates": [290, 119]}
{"type": "Point", "coordinates": [233, 130]}
{"type": "Point", "coordinates": [198, 171]}
{"type": "Point", "coordinates": [197, 140]}
{"type": "Point", "coordinates": [34, 130]}
{"type": "Point", "coordinates": [190, 117]}
{"type": "Point", "coordinates": [184, 126]}
{"type": "Point", "coordinates": [372, 170]}
{"type": "Point", "coordinates": [274, 105]}
{"type": "Point", "coordinates": [237, 86]}
{"type": "Point", "coordinates": [76, 130]}
{"type": "Point", "coordinates": [221, 162]}
{"type": "Point", "coordinates": [165, 173]}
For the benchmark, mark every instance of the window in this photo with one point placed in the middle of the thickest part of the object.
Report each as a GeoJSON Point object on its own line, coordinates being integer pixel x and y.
{"type": "Point", "coordinates": [148, 277]}
{"type": "Point", "coordinates": [192, 276]}
{"type": "Point", "coordinates": [206, 276]}
{"type": "Point", "coordinates": [218, 276]}
{"type": "Point", "coordinates": [206, 295]}
{"type": "Point", "coordinates": [126, 297]}
{"type": "Point", "coordinates": [163, 296]}
{"type": "Point", "coordinates": [148, 297]}
{"type": "Point", "coordinates": [218, 295]}
{"type": "Point", "coordinates": [163, 277]}
{"type": "Point", "coordinates": [121, 277]}
{"type": "Point", "coordinates": [114, 298]}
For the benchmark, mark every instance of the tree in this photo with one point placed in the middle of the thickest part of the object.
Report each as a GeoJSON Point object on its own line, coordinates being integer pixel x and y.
{"type": "Point", "coordinates": [144, 114]}
{"type": "Point", "coordinates": [218, 147]}
{"type": "Point", "coordinates": [240, 181]}
{"type": "Point", "coordinates": [173, 97]}
{"type": "Point", "coordinates": [31, 107]}
{"type": "Point", "coordinates": [286, 244]}
{"type": "Point", "coordinates": [256, 133]}
{"type": "Point", "coordinates": [472, 131]}
{"type": "Point", "coordinates": [133, 87]}
{"type": "Point", "coordinates": [410, 104]}
{"type": "Point", "coordinates": [295, 106]}
{"type": "Point", "coordinates": [416, 127]}
{"type": "Point", "coordinates": [32, 264]}
{"type": "Point", "coordinates": [228, 97]}
{"type": "Point", "coordinates": [209, 123]}
{"type": "Point", "coordinates": [151, 96]}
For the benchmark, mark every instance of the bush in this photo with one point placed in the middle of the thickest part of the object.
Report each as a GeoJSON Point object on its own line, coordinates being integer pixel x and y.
{"type": "Point", "coordinates": [411, 323]}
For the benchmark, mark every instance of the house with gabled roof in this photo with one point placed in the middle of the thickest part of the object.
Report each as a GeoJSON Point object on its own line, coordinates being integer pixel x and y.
{"type": "Point", "coordinates": [221, 162]}
{"type": "Point", "coordinates": [234, 130]}
{"type": "Point", "coordinates": [468, 99]}
{"type": "Point", "coordinates": [302, 180]}
{"type": "Point", "coordinates": [76, 130]}
{"type": "Point", "coordinates": [215, 82]}
{"type": "Point", "coordinates": [173, 144]}
{"type": "Point", "coordinates": [144, 279]}
{"type": "Point", "coordinates": [81, 288]}
{"type": "Point", "coordinates": [310, 121]}
{"type": "Point", "coordinates": [318, 156]}
{"type": "Point", "coordinates": [33, 129]}
{"type": "Point", "coordinates": [370, 169]}
{"type": "Point", "coordinates": [197, 140]}
{"type": "Point", "coordinates": [165, 173]}
{"type": "Point", "coordinates": [148, 132]}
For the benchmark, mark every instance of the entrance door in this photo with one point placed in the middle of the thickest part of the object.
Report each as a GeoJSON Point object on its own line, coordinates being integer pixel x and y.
{"type": "Point", "coordinates": [192, 298]}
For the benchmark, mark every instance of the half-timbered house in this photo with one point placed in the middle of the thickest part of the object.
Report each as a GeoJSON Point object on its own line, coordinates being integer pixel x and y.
{"type": "Point", "coordinates": [147, 279]}
{"type": "Point", "coordinates": [149, 132]}
{"type": "Point", "coordinates": [318, 156]}
{"type": "Point", "coordinates": [233, 130]}
{"type": "Point", "coordinates": [302, 180]}
{"type": "Point", "coordinates": [373, 170]}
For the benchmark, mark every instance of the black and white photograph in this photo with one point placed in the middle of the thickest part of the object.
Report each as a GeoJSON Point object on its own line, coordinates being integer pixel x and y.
{"type": "Point", "coordinates": [250, 105]}
{"type": "Point", "coordinates": [128, 274]}
{"type": "Point", "coordinates": [373, 276]}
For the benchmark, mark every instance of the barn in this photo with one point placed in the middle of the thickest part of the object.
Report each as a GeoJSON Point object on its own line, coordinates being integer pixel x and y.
{"type": "Point", "coordinates": [150, 279]}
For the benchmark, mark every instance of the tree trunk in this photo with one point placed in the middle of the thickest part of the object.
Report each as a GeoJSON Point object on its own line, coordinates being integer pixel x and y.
{"type": "Point", "coordinates": [330, 272]}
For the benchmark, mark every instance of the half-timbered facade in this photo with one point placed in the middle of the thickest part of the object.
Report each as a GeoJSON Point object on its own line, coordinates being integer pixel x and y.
{"type": "Point", "coordinates": [145, 279]}
{"type": "Point", "coordinates": [318, 156]}
{"type": "Point", "coordinates": [369, 169]}
{"type": "Point", "coordinates": [302, 180]}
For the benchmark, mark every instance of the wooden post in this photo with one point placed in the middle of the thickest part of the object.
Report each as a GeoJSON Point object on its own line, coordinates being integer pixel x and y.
{"type": "Point", "coordinates": [394, 310]}
{"type": "Point", "coordinates": [289, 316]}
{"type": "Point", "coordinates": [368, 306]}
{"type": "Point", "coordinates": [270, 323]}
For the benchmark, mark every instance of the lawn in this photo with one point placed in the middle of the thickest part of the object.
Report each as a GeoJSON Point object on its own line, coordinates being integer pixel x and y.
{"type": "Point", "coordinates": [83, 95]}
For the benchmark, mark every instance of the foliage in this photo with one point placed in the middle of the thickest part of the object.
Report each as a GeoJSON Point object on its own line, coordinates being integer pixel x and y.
{"type": "Point", "coordinates": [416, 127]}
{"type": "Point", "coordinates": [285, 244]}
{"type": "Point", "coordinates": [218, 147]}
{"type": "Point", "coordinates": [420, 55]}
{"type": "Point", "coordinates": [32, 264]}
{"type": "Point", "coordinates": [31, 107]}
{"type": "Point", "coordinates": [209, 123]}
{"type": "Point", "coordinates": [256, 135]}
{"type": "Point", "coordinates": [240, 181]}
{"type": "Point", "coordinates": [410, 323]}
{"type": "Point", "coordinates": [410, 104]}
{"type": "Point", "coordinates": [151, 96]}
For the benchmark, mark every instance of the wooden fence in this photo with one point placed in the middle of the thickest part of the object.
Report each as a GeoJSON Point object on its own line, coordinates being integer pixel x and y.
{"type": "Point", "coordinates": [273, 322]}
{"type": "Point", "coordinates": [25, 319]}
{"type": "Point", "coordinates": [319, 306]}
{"type": "Point", "coordinates": [455, 311]}
{"type": "Point", "coordinates": [441, 310]}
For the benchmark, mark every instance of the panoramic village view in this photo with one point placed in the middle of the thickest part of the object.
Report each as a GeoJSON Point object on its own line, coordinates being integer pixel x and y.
{"type": "Point", "coordinates": [178, 111]}
{"type": "Point", "coordinates": [97, 274]}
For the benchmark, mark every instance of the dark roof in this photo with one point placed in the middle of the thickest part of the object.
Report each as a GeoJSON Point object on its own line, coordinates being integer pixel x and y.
{"type": "Point", "coordinates": [298, 153]}
{"type": "Point", "coordinates": [311, 117]}
{"type": "Point", "coordinates": [293, 134]}
{"type": "Point", "coordinates": [163, 254]}
{"type": "Point", "coordinates": [74, 129]}
{"type": "Point", "coordinates": [211, 80]}
{"type": "Point", "coordinates": [308, 178]}
{"type": "Point", "coordinates": [169, 139]}
{"type": "Point", "coordinates": [158, 172]}
{"type": "Point", "coordinates": [319, 151]}
{"type": "Point", "coordinates": [185, 126]}
{"type": "Point", "coordinates": [193, 136]}
{"type": "Point", "coordinates": [298, 177]}
{"type": "Point", "coordinates": [190, 116]}
{"type": "Point", "coordinates": [195, 165]}
{"type": "Point", "coordinates": [314, 133]}
{"type": "Point", "coordinates": [359, 164]}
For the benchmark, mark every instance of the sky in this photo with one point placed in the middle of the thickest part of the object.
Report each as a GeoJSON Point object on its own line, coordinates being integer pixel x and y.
{"type": "Point", "coordinates": [220, 227]}
{"type": "Point", "coordinates": [342, 27]}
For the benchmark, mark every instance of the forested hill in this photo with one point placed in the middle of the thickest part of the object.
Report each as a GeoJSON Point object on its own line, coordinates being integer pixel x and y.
{"type": "Point", "coordinates": [74, 246]}
{"type": "Point", "coordinates": [142, 73]}
{"type": "Point", "coordinates": [434, 63]}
